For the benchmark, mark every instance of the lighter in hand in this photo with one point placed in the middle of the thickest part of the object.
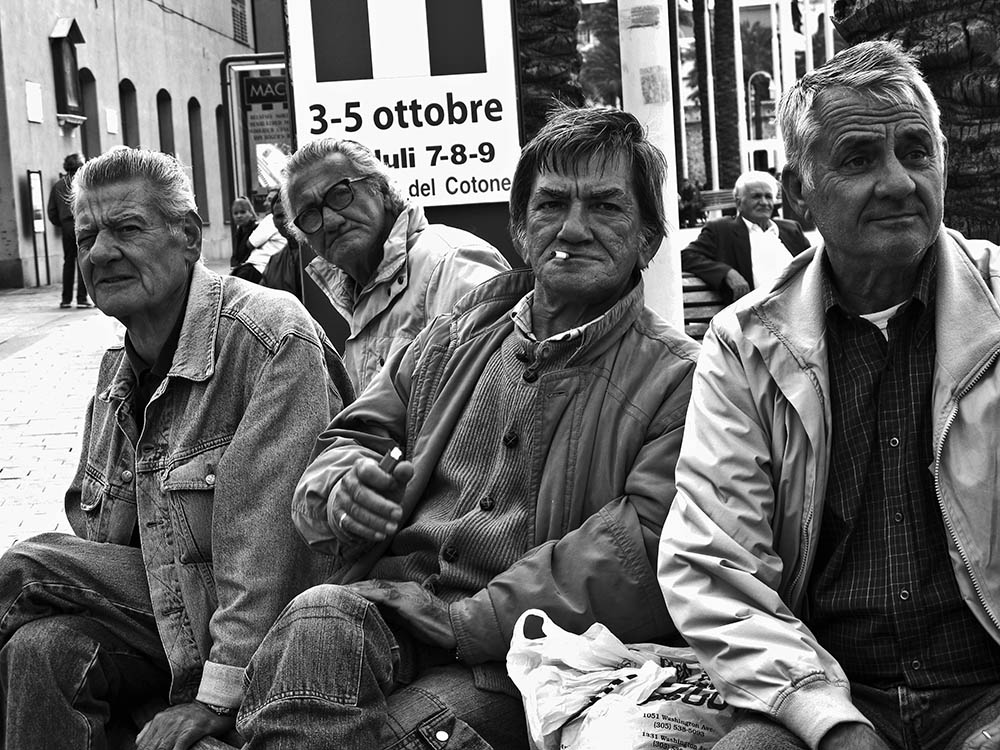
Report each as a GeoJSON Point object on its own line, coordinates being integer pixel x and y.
{"type": "Point", "coordinates": [392, 457]}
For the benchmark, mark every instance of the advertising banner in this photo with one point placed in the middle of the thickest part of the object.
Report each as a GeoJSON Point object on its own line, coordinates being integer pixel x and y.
{"type": "Point", "coordinates": [430, 85]}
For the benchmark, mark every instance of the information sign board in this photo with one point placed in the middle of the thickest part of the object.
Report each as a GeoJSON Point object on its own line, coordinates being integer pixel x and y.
{"type": "Point", "coordinates": [430, 85]}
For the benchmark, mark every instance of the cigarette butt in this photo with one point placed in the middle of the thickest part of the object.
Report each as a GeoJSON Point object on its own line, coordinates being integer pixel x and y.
{"type": "Point", "coordinates": [560, 255]}
{"type": "Point", "coordinates": [392, 457]}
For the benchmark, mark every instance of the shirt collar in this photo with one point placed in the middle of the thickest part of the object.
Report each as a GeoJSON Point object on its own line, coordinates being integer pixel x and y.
{"type": "Point", "coordinates": [752, 227]}
{"type": "Point", "coordinates": [521, 315]}
{"type": "Point", "coordinates": [161, 366]}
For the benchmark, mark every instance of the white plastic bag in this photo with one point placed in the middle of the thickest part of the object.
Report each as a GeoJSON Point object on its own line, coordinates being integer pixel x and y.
{"type": "Point", "coordinates": [592, 692]}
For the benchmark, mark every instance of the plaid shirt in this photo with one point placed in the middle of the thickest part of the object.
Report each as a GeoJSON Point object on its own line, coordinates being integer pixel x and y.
{"type": "Point", "coordinates": [883, 597]}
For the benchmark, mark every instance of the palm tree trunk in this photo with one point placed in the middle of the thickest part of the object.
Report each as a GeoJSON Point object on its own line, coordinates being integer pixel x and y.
{"type": "Point", "coordinates": [727, 117]}
{"type": "Point", "coordinates": [548, 59]}
{"type": "Point", "coordinates": [702, 43]}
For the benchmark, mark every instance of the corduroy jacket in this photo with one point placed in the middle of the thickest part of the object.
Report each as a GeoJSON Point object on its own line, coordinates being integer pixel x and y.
{"type": "Point", "coordinates": [603, 480]}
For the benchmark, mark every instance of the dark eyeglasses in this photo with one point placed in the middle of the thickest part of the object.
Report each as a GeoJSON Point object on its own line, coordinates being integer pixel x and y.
{"type": "Point", "coordinates": [337, 198]}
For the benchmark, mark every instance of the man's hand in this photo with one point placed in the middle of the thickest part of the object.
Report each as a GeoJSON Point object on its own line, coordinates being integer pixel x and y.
{"type": "Point", "coordinates": [365, 505]}
{"type": "Point", "coordinates": [736, 282]}
{"type": "Point", "coordinates": [852, 736]}
{"type": "Point", "coordinates": [987, 738]}
{"type": "Point", "coordinates": [180, 726]}
{"type": "Point", "coordinates": [425, 614]}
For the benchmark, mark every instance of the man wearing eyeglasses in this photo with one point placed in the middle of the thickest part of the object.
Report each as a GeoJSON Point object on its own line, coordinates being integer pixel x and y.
{"type": "Point", "coordinates": [386, 270]}
{"type": "Point", "coordinates": [184, 550]}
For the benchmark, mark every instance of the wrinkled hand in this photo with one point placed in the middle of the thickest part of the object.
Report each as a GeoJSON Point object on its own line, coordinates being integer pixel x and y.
{"type": "Point", "coordinates": [426, 615]}
{"type": "Point", "coordinates": [180, 726]}
{"type": "Point", "coordinates": [736, 282]}
{"type": "Point", "coordinates": [365, 505]}
{"type": "Point", "coordinates": [980, 741]}
{"type": "Point", "coordinates": [852, 736]}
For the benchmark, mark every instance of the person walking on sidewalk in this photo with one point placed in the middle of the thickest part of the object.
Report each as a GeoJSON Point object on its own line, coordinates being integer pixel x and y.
{"type": "Point", "coordinates": [60, 214]}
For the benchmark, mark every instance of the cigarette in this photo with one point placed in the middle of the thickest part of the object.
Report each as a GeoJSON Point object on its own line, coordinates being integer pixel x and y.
{"type": "Point", "coordinates": [390, 459]}
{"type": "Point", "coordinates": [560, 255]}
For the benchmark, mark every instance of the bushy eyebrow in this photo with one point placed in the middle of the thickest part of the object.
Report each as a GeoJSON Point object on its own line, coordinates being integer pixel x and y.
{"type": "Point", "coordinates": [599, 194]}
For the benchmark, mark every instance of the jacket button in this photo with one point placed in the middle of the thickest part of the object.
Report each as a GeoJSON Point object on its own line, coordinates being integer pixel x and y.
{"type": "Point", "coordinates": [530, 376]}
{"type": "Point", "coordinates": [449, 554]}
{"type": "Point", "coordinates": [127, 476]}
{"type": "Point", "coordinates": [486, 503]}
{"type": "Point", "coordinates": [441, 735]}
{"type": "Point", "coordinates": [210, 480]}
{"type": "Point", "coordinates": [510, 438]}
{"type": "Point", "coordinates": [399, 280]}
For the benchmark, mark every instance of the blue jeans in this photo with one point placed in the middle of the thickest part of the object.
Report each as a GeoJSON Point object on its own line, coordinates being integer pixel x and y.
{"type": "Point", "coordinates": [333, 673]}
{"type": "Point", "coordinates": [905, 718]}
{"type": "Point", "coordinates": [77, 640]}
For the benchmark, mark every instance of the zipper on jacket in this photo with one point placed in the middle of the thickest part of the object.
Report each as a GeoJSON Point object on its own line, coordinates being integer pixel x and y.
{"type": "Point", "coordinates": [940, 499]}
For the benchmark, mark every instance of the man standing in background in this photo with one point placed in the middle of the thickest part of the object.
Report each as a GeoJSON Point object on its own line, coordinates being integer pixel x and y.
{"type": "Point", "coordinates": [60, 214]}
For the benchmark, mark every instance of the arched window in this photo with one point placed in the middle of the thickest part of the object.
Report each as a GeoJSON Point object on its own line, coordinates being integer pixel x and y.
{"type": "Point", "coordinates": [130, 113]}
{"type": "Point", "coordinates": [197, 157]}
{"type": "Point", "coordinates": [165, 120]}
{"type": "Point", "coordinates": [225, 173]}
{"type": "Point", "coordinates": [90, 130]}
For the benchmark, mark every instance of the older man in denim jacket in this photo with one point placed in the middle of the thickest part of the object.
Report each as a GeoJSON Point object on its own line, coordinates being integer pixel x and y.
{"type": "Point", "coordinates": [200, 427]}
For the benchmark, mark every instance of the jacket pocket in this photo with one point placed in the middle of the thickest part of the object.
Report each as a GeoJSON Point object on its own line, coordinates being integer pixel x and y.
{"type": "Point", "coordinates": [190, 489]}
{"type": "Point", "coordinates": [108, 507]}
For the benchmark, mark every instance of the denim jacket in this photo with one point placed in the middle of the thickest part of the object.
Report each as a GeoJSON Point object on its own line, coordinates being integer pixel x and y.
{"type": "Point", "coordinates": [209, 479]}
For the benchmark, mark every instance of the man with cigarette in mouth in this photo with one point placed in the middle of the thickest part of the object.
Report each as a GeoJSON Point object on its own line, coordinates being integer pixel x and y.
{"type": "Point", "coordinates": [539, 424]}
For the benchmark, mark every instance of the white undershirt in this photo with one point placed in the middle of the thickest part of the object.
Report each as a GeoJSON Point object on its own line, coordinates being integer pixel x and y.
{"type": "Point", "coordinates": [881, 318]}
{"type": "Point", "coordinates": [768, 255]}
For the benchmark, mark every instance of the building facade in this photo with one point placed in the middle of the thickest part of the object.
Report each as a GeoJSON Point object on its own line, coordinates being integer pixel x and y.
{"type": "Point", "coordinates": [86, 75]}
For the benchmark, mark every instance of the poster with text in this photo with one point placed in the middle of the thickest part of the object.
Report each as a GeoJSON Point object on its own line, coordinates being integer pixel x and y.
{"type": "Point", "coordinates": [430, 85]}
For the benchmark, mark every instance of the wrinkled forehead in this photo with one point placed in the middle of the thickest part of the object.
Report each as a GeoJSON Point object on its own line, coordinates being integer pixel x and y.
{"type": "Point", "coordinates": [308, 185]}
{"type": "Point", "coordinates": [597, 165]}
{"type": "Point", "coordinates": [757, 187]}
{"type": "Point", "coordinates": [111, 202]}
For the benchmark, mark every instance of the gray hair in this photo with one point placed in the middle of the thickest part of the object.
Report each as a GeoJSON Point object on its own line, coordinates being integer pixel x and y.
{"type": "Point", "coordinates": [164, 173]}
{"type": "Point", "coordinates": [879, 70]}
{"type": "Point", "coordinates": [752, 178]}
{"type": "Point", "coordinates": [569, 139]}
{"type": "Point", "coordinates": [361, 157]}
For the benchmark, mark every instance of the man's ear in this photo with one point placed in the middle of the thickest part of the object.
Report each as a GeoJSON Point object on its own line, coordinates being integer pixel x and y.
{"type": "Point", "coordinates": [944, 163]}
{"type": "Point", "coordinates": [192, 225]}
{"type": "Point", "coordinates": [650, 248]}
{"type": "Point", "coordinates": [791, 191]}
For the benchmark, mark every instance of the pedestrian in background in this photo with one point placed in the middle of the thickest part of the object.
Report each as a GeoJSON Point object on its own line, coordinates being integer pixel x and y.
{"type": "Point", "coordinates": [245, 218]}
{"type": "Point", "coordinates": [735, 254]}
{"type": "Point", "coordinates": [284, 269]}
{"type": "Point", "coordinates": [60, 214]}
{"type": "Point", "coordinates": [264, 242]}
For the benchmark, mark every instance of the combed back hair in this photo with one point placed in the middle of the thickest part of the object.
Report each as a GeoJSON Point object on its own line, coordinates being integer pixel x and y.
{"type": "Point", "coordinates": [571, 138]}
{"type": "Point", "coordinates": [878, 70]}
{"type": "Point", "coordinates": [360, 156]}
{"type": "Point", "coordinates": [752, 178]}
{"type": "Point", "coordinates": [166, 176]}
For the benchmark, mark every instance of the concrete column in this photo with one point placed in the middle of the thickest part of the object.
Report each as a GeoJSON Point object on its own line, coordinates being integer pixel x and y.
{"type": "Point", "coordinates": [643, 28]}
